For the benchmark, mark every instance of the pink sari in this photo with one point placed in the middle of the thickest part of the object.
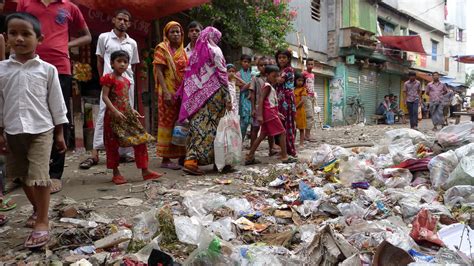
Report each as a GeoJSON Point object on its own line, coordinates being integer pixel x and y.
{"type": "Point", "coordinates": [205, 74]}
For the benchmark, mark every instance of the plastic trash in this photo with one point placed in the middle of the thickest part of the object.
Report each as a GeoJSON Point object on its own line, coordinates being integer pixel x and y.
{"type": "Point", "coordinates": [351, 209]}
{"type": "Point", "coordinates": [84, 250]}
{"type": "Point", "coordinates": [363, 185]}
{"type": "Point", "coordinates": [390, 255]}
{"type": "Point", "coordinates": [83, 223]}
{"type": "Point", "coordinates": [463, 174]}
{"type": "Point", "coordinates": [145, 226]}
{"type": "Point", "coordinates": [223, 228]}
{"type": "Point", "coordinates": [458, 237]}
{"type": "Point", "coordinates": [322, 155]}
{"type": "Point", "coordinates": [280, 180]}
{"type": "Point", "coordinates": [419, 257]}
{"type": "Point", "coordinates": [455, 135]}
{"type": "Point", "coordinates": [424, 228]}
{"type": "Point", "coordinates": [396, 177]}
{"type": "Point", "coordinates": [180, 134]}
{"type": "Point", "coordinates": [247, 225]}
{"type": "Point", "coordinates": [239, 205]}
{"type": "Point", "coordinates": [200, 203]}
{"type": "Point", "coordinates": [82, 262]}
{"type": "Point", "coordinates": [188, 229]}
{"type": "Point", "coordinates": [307, 231]}
{"type": "Point", "coordinates": [228, 142]}
{"type": "Point", "coordinates": [441, 166]}
{"type": "Point", "coordinates": [356, 170]}
{"type": "Point", "coordinates": [405, 133]}
{"type": "Point", "coordinates": [383, 161]}
{"type": "Point", "coordinates": [114, 239]}
{"type": "Point", "coordinates": [211, 251]}
{"type": "Point", "coordinates": [402, 150]}
{"type": "Point", "coordinates": [463, 195]}
{"type": "Point", "coordinates": [306, 192]}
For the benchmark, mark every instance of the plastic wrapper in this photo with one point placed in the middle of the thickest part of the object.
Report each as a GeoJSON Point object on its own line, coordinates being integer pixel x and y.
{"type": "Point", "coordinates": [228, 142]}
{"type": "Point", "coordinates": [383, 161]}
{"type": "Point", "coordinates": [307, 231]}
{"type": "Point", "coordinates": [405, 133]}
{"type": "Point", "coordinates": [351, 209]}
{"type": "Point", "coordinates": [113, 239]}
{"type": "Point", "coordinates": [441, 166]}
{"type": "Point", "coordinates": [463, 195]}
{"type": "Point", "coordinates": [452, 235]}
{"type": "Point", "coordinates": [223, 228]}
{"type": "Point", "coordinates": [211, 251]}
{"type": "Point", "coordinates": [465, 150]}
{"type": "Point", "coordinates": [455, 135]}
{"type": "Point", "coordinates": [463, 174]}
{"type": "Point", "coordinates": [188, 229]}
{"type": "Point", "coordinates": [402, 150]}
{"type": "Point", "coordinates": [239, 205]}
{"type": "Point", "coordinates": [356, 170]}
{"type": "Point", "coordinates": [306, 192]}
{"type": "Point", "coordinates": [424, 228]}
{"type": "Point", "coordinates": [396, 177]}
{"type": "Point", "coordinates": [260, 255]}
{"type": "Point", "coordinates": [322, 155]}
{"type": "Point", "coordinates": [200, 203]}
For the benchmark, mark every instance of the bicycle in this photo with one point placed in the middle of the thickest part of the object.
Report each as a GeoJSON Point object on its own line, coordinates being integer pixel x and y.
{"type": "Point", "coordinates": [354, 113]}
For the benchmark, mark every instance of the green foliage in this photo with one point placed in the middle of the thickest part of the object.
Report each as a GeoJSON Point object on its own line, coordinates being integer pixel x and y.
{"type": "Point", "coordinates": [470, 79]}
{"type": "Point", "coordinates": [258, 24]}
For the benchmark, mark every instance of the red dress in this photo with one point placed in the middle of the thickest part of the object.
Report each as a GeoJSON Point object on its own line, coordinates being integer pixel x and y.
{"type": "Point", "coordinates": [114, 129]}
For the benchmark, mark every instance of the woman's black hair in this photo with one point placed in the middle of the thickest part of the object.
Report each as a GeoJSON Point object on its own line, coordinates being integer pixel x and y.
{"type": "Point", "coordinates": [287, 53]}
{"type": "Point", "coordinates": [194, 24]}
{"type": "Point", "coordinates": [28, 18]}
{"type": "Point", "coordinates": [271, 68]}
{"type": "Point", "coordinates": [119, 53]}
{"type": "Point", "coordinates": [246, 57]}
{"type": "Point", "coordinates": [299, 75]}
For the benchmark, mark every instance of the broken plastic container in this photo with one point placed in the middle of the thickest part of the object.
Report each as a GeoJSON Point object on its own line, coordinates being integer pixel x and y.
{"type": "Point", "coordinates": [458, 237]}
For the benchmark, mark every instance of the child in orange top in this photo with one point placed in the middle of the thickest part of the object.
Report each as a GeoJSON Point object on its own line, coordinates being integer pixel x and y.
{"type": "Point", "coordinates": [121, 124]}
{"type": "Point", "coordinates": [300, 96]}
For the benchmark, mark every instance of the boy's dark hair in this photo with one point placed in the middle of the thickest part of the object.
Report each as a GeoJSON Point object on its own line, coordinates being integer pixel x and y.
{"type": "Point", "coordinates": [194, 24]}
{"type": "Point", "coordinates": [271, 68]}
{"type": "Point", "coordinates": [299, 75]}
{"type": "Point", "coordinates": [412, 74]}
{"type": "Point", "coordinates": [386, 96]}
{"type": "Point", "coordinates": [309, 60]}
{"type": "Point", "coordinates": [261, 58]}
{"type": "Point", "coordinates": [125, 12]}
{"type": "Point", "coordinates": [118, 54]}
{"type": "Point", "coordinates": [246, 57]}
{"type": "Point", "coordinates": [26, 17]}
{"type": "Point", "coordinates": [437, 73]}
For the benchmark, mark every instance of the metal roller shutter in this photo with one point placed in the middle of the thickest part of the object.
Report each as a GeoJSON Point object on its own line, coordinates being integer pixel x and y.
{"type": "Point", "coordinates": [319, 89]}
{"type": "Point", "coordinates": [363, 83]}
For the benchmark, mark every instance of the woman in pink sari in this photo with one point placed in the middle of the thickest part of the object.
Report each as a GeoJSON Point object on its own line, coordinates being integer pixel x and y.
{"type": "Point", "coordinates": [205, 97]}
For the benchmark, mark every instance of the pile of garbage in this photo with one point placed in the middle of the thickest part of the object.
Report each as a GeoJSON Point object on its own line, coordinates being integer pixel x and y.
{"type": "Point", "coordinates": [409, 200]}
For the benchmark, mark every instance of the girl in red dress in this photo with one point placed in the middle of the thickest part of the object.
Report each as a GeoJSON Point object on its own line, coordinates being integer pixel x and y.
{"type": "Point", "coordinates": [121, 125]}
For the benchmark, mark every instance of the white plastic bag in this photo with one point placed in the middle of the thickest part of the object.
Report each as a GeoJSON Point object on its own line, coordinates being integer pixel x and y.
{"type": "Point", "coordinates": [465, 150]}
{"type": "Point", "coordinates": [405, 133]}
{"type": "Point", "coordinates": [463, 174]}
{"type": "Point", "coordinates": [228, 141]}
{"type": "Point", "coordinates": [455, 135]}
{"type": "Point", "coordinates": [441, 166]}
{"type": "Point", "coordinates": [322, 155]}
{"type": "Point", "coordinates": [402, 150]}
{"type": "Point", "coordinates": [463, 195]}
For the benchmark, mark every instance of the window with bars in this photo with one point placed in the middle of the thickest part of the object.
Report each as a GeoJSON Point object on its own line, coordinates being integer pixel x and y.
{"type": "Point", "coordinates": [316, 10]}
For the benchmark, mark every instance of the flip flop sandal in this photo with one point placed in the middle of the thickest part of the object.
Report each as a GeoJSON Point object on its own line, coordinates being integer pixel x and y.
{"type": "Point", "coordinates": [4, 204]}
{"type": "Point", "coordinates": [3, 219]}
{"type": "Point", "coordinates": [152, 176]}
{"type": "Point", "coordinates": [56, 188]}
{"type": "Point", "coordinates": [171, 166]}
{"type": "Point", "coordinates": [88, 163]}
{"type": "Point", "coordinates": [34, 236]}
{"type": "Point", "coordinates": [193, 171]}
{"type": "Point", "coordinates": [30, 223]}
{"type": "Point", "coordinates": [119, 180]}
{"type": "Point", "coordinates": [290, 160]}
{"type": "Point", "coordinates": [252, 161]}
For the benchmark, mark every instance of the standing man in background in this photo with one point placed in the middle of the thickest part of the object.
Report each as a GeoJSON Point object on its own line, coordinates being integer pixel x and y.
{"type": "Point", "coordinates": [58, 18]}
{"type": "Point", "coordinates": [412, 94]}
{"type": "Point", "coordinates": [435, 90]}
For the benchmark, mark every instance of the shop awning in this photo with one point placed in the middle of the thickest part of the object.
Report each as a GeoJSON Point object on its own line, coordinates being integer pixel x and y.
{"type": "Point", "coordinates": [142, 9]}
{"type": "Point", "coordinates": [404, 43]}
{"type": "Point", "coordinates": [466, 59]}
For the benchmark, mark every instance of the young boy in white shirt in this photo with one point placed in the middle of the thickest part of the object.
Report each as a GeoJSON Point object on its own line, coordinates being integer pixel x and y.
{"type": "Point", "coordinates": [32, 114]}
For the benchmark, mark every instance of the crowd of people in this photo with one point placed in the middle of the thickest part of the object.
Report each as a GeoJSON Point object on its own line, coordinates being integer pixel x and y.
{"type": "Point", "coordinates": [194, 85]}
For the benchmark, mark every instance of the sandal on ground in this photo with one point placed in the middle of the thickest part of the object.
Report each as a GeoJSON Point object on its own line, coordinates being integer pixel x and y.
{"type": "Point", "coordinates": [152, 176]}
{"type": "Point", "coordinates": [170, 165]}
{"type": "Point", "coordinates": [119, 180]}
{"type": "Point", "coordinates": [88, 163]}
{"type": "Point", "coordinates": [3, 219]}
{"type": "Point", "coordinates": [56, 186]}
{"type": "Point", "coordinates": [31, 221]}
{"type": "Point", "coordinates": [290, 160]}
{"type": "Point", "coordinates": [7, 204]}
{"type": "Point", "coordinates": [252, 161]}
{"type": "Point", "coordinates": [37, 239]}
{"type": "Point", "coordinates": [193, 170]}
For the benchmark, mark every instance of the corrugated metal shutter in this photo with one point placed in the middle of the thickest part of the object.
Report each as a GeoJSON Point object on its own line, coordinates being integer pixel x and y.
{"type": "Point", "coordinates": [352, 88]}
{"type": "Point", "coordinates": [319, 89]}
{"type": "Point", "coordinates": [383, 85]}
{"type": "Point", "coordinates": [368, 92]}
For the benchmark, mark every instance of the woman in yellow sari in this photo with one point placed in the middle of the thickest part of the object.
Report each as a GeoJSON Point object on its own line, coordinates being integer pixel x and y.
{"type": "Point", "coordinates": [170, 61]}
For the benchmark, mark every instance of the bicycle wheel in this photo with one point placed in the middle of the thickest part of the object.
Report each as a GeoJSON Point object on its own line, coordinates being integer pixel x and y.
{"type": "Point", "coordinates": [350, 116]}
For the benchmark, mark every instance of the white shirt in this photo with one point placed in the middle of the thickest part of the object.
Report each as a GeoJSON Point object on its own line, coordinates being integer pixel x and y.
{"type": "Point", "coordinates": [108, 43]}
{"type": "Point", "coordinates": [188, 50]}
{"type": "Point", "coordinates": [31, 100]}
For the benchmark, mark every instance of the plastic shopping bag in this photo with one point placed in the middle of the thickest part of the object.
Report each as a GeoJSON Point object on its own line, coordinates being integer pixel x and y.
{"type": "Point", "coordinates": [228, 141]}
